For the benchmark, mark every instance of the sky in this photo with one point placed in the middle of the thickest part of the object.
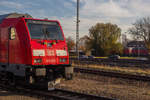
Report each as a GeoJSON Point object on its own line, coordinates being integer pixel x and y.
{"type": "Point", "coordinates": [121, 12]}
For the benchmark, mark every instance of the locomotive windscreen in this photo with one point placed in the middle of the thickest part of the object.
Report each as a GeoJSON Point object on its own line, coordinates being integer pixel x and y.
{"type": "Point", "coordinates": [44, 30]}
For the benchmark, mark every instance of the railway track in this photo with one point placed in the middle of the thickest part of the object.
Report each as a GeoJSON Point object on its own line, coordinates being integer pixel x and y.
{"type": "Point", "coordinates": [56, 94]}
{"type": "Point", "coordinates": [112, 74]}
{"type": "Point", "coordinates": [115, 62]}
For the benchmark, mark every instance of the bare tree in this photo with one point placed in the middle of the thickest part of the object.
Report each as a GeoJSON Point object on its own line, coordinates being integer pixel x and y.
{"type": "Point", "coordinates": [141, 31]}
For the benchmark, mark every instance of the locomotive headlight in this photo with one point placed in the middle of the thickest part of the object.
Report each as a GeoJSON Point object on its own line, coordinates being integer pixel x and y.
{"type": "Point", "coordinates": [37, 60]}
{"type": "Point", "coordinates": [39, 52]}
{"type": "Point", "coordinates": [61, 52]}
{"type": "Point", "coordinates": [62, 60]}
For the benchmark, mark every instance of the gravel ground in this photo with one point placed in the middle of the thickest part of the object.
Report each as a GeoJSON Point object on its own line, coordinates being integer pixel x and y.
{"type": "Point", "coordinates": [121, 89]}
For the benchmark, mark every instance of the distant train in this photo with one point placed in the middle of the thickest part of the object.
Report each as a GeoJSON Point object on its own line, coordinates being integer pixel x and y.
{"type": "Point", "coordinates": [135, 51]}
{"type": "Point", "coordinates": [32, 51]}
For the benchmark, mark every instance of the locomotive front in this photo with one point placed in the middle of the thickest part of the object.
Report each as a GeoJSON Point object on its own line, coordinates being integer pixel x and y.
{"type": "Point", "coordinates": [50, 58]}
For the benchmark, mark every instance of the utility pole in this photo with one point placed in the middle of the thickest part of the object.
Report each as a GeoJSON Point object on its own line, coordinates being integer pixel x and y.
{"type": "Point", "coordinates": [77, 30]}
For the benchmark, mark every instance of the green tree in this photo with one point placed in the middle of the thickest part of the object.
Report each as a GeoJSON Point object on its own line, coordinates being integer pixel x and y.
{"type": "Point", "coordinates": [141, 31]}
{"type": "Point", "coordinates": [103, 39]}
{"type": "Point", "coordinates": [70, 43]}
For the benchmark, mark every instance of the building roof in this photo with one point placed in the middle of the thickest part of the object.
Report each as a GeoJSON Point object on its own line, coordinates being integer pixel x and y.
{"type": "Point", "coordinates": [136, 44]}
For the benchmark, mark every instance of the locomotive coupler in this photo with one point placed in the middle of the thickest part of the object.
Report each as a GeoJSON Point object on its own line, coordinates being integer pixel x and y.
{"type": "Point", "coordinates": [69, 72]}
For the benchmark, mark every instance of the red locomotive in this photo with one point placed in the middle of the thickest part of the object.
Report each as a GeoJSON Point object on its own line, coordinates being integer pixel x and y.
{"type": "Point", "coordinates": [32, 51]}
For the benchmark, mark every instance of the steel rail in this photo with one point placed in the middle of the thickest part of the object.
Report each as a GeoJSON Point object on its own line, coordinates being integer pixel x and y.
{"type": "Point", "coordinates": [118, 62]}
{"type": "Point", "coordinates": [56, 94]}
{"type": "Point", "coordinates": [112, 74]}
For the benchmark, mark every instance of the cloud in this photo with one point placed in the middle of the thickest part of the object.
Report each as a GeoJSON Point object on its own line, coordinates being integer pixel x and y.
{"type": "Point", "coordinates": [140, 7]}
{"type": "Point", "coordinates": [93, 12]}
{"type": "Point", "coordinates": [41, 13]}
{"type": "Point", "coordinates": [104, 9]}
{"type": "Point", "coordinates": [4, 12]}
{"type": "Point", "coordinates": [120, 12]}
{"type": "Point", "coordinates": [68, 4]}
{"type": "Point", "coordinates": [74, 0]}
{"type": "Point", "coordinates": [68, 25]}
{"type": "Point", "coordinates": [10, 4]}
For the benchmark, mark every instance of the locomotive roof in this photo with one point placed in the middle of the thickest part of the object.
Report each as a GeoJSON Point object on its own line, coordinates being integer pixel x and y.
{"type": "Point", "coordinates": [13, 15]}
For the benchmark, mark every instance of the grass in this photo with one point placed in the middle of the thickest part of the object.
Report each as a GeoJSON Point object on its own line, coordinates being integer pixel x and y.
{"type": "Point", "coordinates": [107, 57]}
{"type": "Point", "coordinates": [120, 57]}
{"type": "Point", "coordinates": [128, 57]}
{"type": "Point", "coordinates": [126, 70]}
{"type": "Point", "coordinates": [102, 57]}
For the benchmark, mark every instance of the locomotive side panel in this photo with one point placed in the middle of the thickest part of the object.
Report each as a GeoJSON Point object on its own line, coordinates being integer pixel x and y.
{"type": "Point", "coordinates": [4, 45]}
{"type": "Point", "coordinates": [14, 48]}
{"type": "Point", "coordinates": [22, 54]}
{"type": "Point", "coordinates": [13, 51]}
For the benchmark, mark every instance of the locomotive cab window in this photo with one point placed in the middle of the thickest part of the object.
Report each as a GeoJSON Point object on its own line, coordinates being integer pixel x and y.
{"type": "Point", "coordinates": [12, 34]}
{"type": "Point", "coordinates": [44, 30]}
